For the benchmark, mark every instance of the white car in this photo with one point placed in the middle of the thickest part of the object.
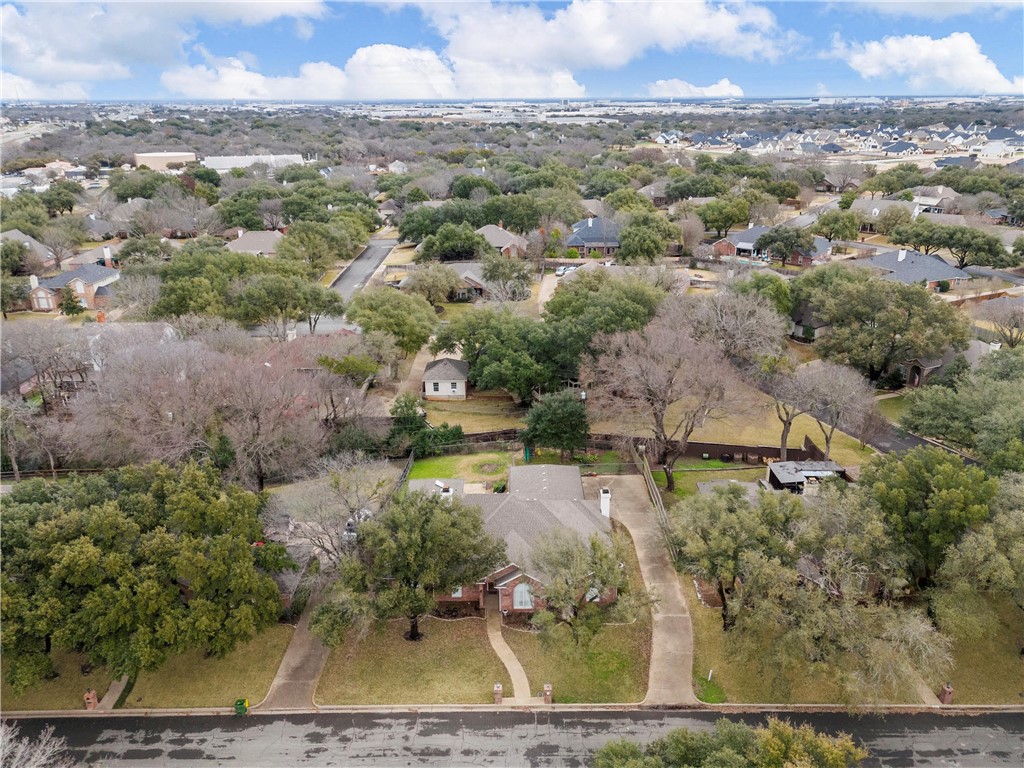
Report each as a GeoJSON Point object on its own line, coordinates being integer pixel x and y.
{"type": "Point", "coordinates": [561, 271]}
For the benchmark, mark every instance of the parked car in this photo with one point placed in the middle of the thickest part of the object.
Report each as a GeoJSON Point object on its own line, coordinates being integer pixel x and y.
{"type": "Point", "coordinates": [561, 271]}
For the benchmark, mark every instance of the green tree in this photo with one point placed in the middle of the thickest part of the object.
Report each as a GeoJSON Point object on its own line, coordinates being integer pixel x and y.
{"type": "Point", "coordinates": [24, 212]}
{"type": "Point", "coordinates": [416, 195]}
{"type": "Point", "coordinates": [892, 218]}
{"type": "Point", "coordinates": [435, 282]}
{"type": "Point", "coordinates": [508, 278]}
{"type": "Point", "coordinates": [151, 249]}
{"type": "Point", "coordinates": [13, 293]}
{"type": "Point", "coordinates": [928, 498]}
{"type": "Point", "coordinates": [61, 197]}
{"type": "Point", "coordinates": [628, 200]}
{"type": "Point", "coordinates": [847, 198]}
{"type": "Point", "coordinates": [311, 243]}
{"type": "Point", "coordinates": [130, 566]}
{"type": "Point", "coordinates": [410, 319]}
{"type": "Point", "coordinates": [973, 247]}
{"type": "Point", "coordinates": [876, 324]}
{"type": "Point", "coordinates": [700, 185]}
{"type": "Point", "coordinates": [558, 420]}
{"type": "Point", "coordinates": [12, 253]}
{"type": "Point", "coordinates": [464, 186]}
{"type": "Point", "coordinates": [318, 302]}
{"type": "Point", "coordinates": [837, 225]}
{"type": "Point", "coordinates": [518, 213]}
{"type": "Point", "coordinates": [419, 546]}
{"type": "Point", "coordinates": [275, 302]}
{"type": "Point", "coordinates": [605, 181]}
{"type": "Point", "coordinates": [767, 285]}
{"type": "Point", "coordinates": [781, 242]}
{"type": "Point", "coordinates": [645, 239]}
{"type": "Point", "coordinates": [722, 215]}
{"type": "Point", "coordinates": [921, 235]}
{"type": "Point", "coordinates": [70, 304]}
{"type": "Point", "coordinates": [454, 243]}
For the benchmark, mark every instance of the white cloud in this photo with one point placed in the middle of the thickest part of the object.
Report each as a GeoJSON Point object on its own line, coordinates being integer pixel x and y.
{"type": "Point", "coordinates": [393, 72]}
{"type": "Point", "coordinates": [677, 88]}
{"type": "Point", "coordinates": [14, 87]}
{"type": "Point", "coordinates": [952, 64]}
{"type": "Point", "coordinates": [935, 11]}
{"type": "Point", "coordinates": [44, 42]}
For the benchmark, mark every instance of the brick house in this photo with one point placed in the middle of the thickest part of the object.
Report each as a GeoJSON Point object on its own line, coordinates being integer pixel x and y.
{"type": "Point", "coordinates": [739, 244]}
{"type": "Point", "coordinates": [90, 283]}
{"type": "Point", "coordinates": [594, 235]}
{"type": "Point", "coordinates": [912, 267]}
{"type": "Point", "coordinates": [540, 499]}
{"type": "Point", "coordinates": [507, 244]}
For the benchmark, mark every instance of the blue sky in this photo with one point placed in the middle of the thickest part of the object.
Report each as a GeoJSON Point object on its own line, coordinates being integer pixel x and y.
{"type": "Point", "coordinates": [314, 50]}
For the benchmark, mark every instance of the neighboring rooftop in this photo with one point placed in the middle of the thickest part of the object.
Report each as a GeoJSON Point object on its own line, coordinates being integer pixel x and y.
{"type": "Point", "coordinates": [907, 266]}
{"type": "Point", "coordinates": [447, 369]}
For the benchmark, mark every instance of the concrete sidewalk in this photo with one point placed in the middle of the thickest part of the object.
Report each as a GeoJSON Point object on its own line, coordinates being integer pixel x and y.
{"type": "Point", "coordinates": [520, 684]}
{"type": "Point", "coordinates": [670, 682]}
{"type": "Point", "coordinates": [295, 682]}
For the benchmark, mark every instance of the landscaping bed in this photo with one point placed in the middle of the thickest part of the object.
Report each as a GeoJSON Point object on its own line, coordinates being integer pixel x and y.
{"type": "Point", "coordinates": [453, 664]}
{"type": "Point", "coordinates": [195, 680]}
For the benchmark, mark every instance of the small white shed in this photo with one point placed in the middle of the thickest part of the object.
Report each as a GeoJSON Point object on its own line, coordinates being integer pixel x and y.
{"type": "Point", "coordinates": [445, 379]}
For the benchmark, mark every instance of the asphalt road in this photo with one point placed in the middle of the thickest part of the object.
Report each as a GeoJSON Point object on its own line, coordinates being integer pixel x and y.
{"type": "Point", "coordinates": [359, 271]}
{"type": "Point", "coordinates": [515, 738]}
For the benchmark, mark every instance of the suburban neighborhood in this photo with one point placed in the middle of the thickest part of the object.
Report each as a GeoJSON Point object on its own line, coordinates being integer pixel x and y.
{"type": "Point", "coordinates": [637, 407]}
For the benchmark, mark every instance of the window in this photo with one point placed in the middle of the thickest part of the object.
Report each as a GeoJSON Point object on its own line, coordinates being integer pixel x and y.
{"type": "Point", "coordinates": [457, 592]}
{"type": "Point", "coordinates": [79, 287]}
{"type": "Point", "coordinates": [437, 387]}
{"type": "Point", "coordinates": [522, 597]}
{"type": "Point", "coordinates": [455, 386]}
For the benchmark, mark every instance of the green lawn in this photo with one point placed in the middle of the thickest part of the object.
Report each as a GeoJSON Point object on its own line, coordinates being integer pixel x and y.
{"type": "Point", "coordinates": [892, 407]}
{"type": "Point", "coordinates": [453, 664]}
{"type": "Point", "coordinates": [613, 669]}
{"type": "Point", "coordinates": [194, 680]}
{"type": "Point", "coordinates": [453, 310]}
{"type": "Point", "coordinates": [472, 467]}
{"type": "Point", "coordinates": [990, 669]}
{"type": "Point", "coordinates": [686, 481]}
{"type": "Point", "coordinates": [63, 692]}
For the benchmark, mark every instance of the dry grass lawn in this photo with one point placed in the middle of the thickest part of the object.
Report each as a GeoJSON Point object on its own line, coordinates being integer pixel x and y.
{"type": "Point", "coordinates": [453, 664]}
{"type": "Point", "coordinates": [63, 692]}
{"type": "Point", "coordinates": [989, 669]}
{"type": "Point", "coordinates": [403, 253]}
{"type": "Point", "coordinates": [477, 414]}
{"type": "Point", "coordinates": [194, 680]}
{"type": "Point", "coordinates": [755, 424]}
{"type": "Point", "coordinates": [613, 669]}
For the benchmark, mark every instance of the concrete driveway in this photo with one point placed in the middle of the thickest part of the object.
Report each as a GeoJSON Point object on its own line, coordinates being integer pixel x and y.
{"type": "Point", "coordinates": [671, 676]}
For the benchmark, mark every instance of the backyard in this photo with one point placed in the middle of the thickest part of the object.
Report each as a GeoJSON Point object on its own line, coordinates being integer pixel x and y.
{"type": "Point", "coordinates": [492, 466]}
{"type": "Point", "coordinates": [452, 664]}
{"type": "Point", "coordinates": [988, 667]}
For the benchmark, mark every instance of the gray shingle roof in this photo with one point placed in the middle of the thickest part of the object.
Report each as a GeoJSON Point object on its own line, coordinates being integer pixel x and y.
{"type": "Point", "coordinates": [595, 231]}
{"type": "Point", "coordinates": [88, 273]}
{"type": "Point", "coordinates": [256, 242]}
{"type": "Point", "coordinates": [446, 369]}
{"type": "Point", "coordinates": [787, 472]}
{"type": "Point", "coordinates": [34, 245]}
{"type": "Point", "coordinates": [914, 267]}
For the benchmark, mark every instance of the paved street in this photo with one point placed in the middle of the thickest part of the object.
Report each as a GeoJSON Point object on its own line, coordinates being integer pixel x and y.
{"type": "Point", "coordinates": [360, 270]}
{"type": "Point", "coordinates": [516, 738]}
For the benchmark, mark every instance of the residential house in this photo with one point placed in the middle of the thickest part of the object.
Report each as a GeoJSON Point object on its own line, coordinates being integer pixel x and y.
{"type": "Point", "coordinates": [90, 283]}
{"type": "Point", "coordinates": [257, 243]}
{"type": "Point", "coordinates": [102, 255]}
{"type": "Point", "coordinates": [938, 199]}
{"type": "Point", "coordinates": [870, 210]}
{"type": "Point", "coordinates": [807, 325]}
{"type": "Point", "coordinates": [596, 208]}
{"type": "Point", "coordinates": [901, 149]}
{"type": "Point", "coordinates": [445, 379]}
{"type": "Point", "coordinates": [37, 250]}
{"type": "Point", "coordinates": [913, 268]}
{"type": "Point", "coordinates": [596, 234]}
{"type": "Point", "coordinates": [508, 244]}
{"type": "Point", "coordinates": [801, 477]}
{"type": "Point", "coordinates": [397, 167]}
{"type": "Point", "coordinates": [918, 371]}
{"type": "Point", "coordinates": [817, 254]}
{"type": "Point", "coordinates": [740, 244]}
{"type": "Point", "coordinates": [100, 229]}
{"type": "Point", "coordinates": [388, 210]}
{"type": "Point", "coordinates": [970, 163]}
{"type": "Point", "coordinates": [540, 500]}
{"type": "Point", "coordinates": [1000, 216]}
{"type": "Point", "coordinates": [835, 185]}
{"type": "Point", "coordinates": [656, 193]}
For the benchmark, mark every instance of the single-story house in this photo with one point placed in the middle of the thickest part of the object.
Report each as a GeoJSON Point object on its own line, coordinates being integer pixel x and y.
{"type": "Point", "coordinates": [36, 249]}
{"type": "Point", "coordinates": [90, 283]}
{"type": "Point", "coordinates": [807, 326]}
{"type": "Point", "coordinates": [397, 167]}
{"type": "Point", "coordinates": [739, 244]}
{"type": "Point", "coordinates": [508, 244]}
{"type": "Point", "coordinates": [911, 267]}
{"type": "Point", "coordinates": [446, 379]}
{"type": "Point", "coordinates": [901, 149]}
{"type": "Point", "coordinates": [801, 477]}
{"type": "Point", "coordinates": [916, 372]}
{"type": "Point", "coordinates": [836, 185]}
{"type": "Point", "coordinates": [656, 193]}
{"type": "Point", "coordinates": [594, 234]}
{"type": "Point", "coordinates": [388, 210]}
{"type": "Point", "coordinates": [1000, 216]}
{"type": "Point", "coordinates": [540, 500]}
{"type": "Point", "coordinates": [258, 243]}
{"type": "Point", "coordinates": [100, 229]}
{"type": "Point", "coordinates": [817, 254]}
{"type": "Point", "coordinates": [104, 255]}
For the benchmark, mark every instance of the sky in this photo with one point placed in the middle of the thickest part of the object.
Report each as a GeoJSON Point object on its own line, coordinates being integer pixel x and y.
{"type": "Point", "coordinates": [312, 50]}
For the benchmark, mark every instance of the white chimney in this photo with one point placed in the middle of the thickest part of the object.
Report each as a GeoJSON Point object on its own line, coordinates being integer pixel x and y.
{"type": "Point", "coordinates": [590, 222]}
{"type": "Point", "coordinates": [108, 260]}
{"type": "Point", "coordinates": [995, 346]}
{"type": "Point", "coordinates": [606, 502]}
{"type": "Point", "coordinates": [33, 282]}
{"type": "Point", "coordinates": [750, 225]}
{"type": "Point", "coordinates": [446, 493]}
{"type": "Point", "coordinates": [902, 254]}
{"type": "Point", "coordinates": [241, 232]}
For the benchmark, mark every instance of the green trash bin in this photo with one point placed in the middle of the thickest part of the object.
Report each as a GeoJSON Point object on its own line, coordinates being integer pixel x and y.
{"type": "Point", "coordinates": [241, 707]}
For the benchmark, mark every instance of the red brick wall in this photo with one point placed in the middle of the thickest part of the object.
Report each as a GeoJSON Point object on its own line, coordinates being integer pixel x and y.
{"type": "Point", "coordinates": [506, 601]}
{"type": "Point", "coordinates": [723, 248]}
{"type": "Point", "coordinates": [473, 593]}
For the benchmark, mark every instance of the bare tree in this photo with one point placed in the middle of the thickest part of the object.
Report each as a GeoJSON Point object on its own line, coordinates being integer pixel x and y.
{"type": "Point", "coordinates": [54, 352]}
{"type": "Point", "coordinates": [271, 209]}
{"type": "Point", "coordinates": [1007, 318]}
{"type": "Point", "coordinates": [47, 751]}
{"type": "Point", "coordinates": [663, 380]}
{"type": "Point", "coordinates": [788, 389]}
{"type": "Point", "coordinates": [270, 418]}
{"type": "Point", "coordinates": [217, 333]}
{"type": "Point", "coordinates": [59, 241]}
{"type": "Point", "coordinates": [837, 396]}
{"type": "Point", "coordinates": [137, 294]}
{"type": "Point", "coordinates": [745, 327]}
{"type": "Point", "coordinates": [351, 488]}
{"type": "Point", "coordinates": [692, 230]}
{"type": "Point", "coordinates": [846, 172]}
